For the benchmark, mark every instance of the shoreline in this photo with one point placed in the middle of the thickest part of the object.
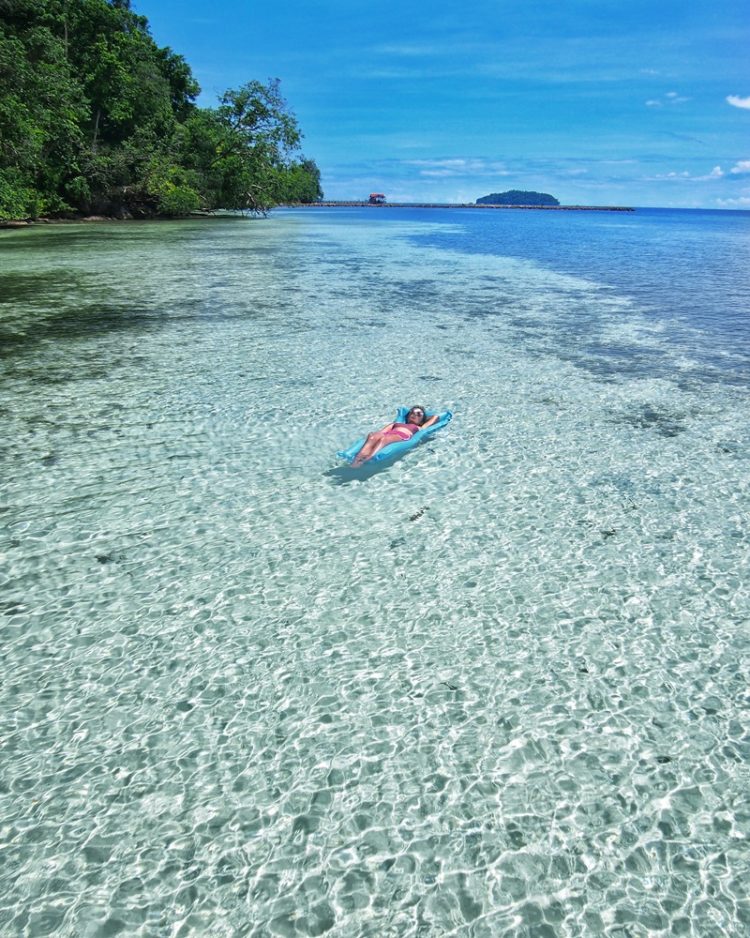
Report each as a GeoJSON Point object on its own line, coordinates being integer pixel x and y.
{"type": "Point", "coordinates": [20, 223]}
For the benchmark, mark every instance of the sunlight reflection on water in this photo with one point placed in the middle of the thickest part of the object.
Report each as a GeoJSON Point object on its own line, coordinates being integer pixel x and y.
{"type": "Point", "coordinates": [498, 688]}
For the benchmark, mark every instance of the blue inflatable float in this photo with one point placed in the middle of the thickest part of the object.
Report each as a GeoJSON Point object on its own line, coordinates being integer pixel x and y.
{"type": "Point", "coordinates": [403, 446]}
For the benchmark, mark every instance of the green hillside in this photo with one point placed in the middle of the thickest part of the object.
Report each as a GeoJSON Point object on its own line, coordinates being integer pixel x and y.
{"type": "Point", "coordinates": [95, 117]}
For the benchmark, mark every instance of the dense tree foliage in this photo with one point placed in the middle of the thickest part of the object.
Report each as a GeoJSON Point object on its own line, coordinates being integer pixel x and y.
{"type": "Point", "coordinates": [95, 117]}
{"type": "Point", "coordinates": [518, 197]}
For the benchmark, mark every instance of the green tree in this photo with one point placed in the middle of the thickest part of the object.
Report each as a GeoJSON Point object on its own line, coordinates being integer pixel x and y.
{"type": "Point", "coordinates": [41, 109]}
{"type": "Point", "coordinates": [243, 152]}
{"type": "Point", "coordinates": [94, 116]}
{"type": "Point", "coordinates": [302, 182]}
{"type": "Point", "coordinates": [258, 137]}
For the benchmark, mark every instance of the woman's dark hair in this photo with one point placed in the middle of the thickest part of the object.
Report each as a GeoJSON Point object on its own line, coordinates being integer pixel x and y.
{"type": "Point", "coordinates": [418, 407]}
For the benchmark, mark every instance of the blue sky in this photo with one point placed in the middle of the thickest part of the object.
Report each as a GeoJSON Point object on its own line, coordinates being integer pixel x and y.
{"type": "Point", "coordinates": [595, 101]}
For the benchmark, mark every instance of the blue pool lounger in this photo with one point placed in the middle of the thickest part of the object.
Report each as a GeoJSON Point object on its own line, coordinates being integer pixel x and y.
{"type": "Point", "coordinates": [403, 446]}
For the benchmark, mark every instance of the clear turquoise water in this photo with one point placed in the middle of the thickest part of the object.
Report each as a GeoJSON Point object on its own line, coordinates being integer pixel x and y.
{"type": "Point", "coordinates": [498, 688]}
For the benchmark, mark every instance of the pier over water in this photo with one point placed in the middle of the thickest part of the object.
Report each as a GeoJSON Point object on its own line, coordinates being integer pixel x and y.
{"type": "Point", "coordinates": [540, 208]}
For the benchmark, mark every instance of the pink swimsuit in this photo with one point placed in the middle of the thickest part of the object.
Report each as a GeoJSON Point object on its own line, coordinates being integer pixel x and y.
{"type": "Point", "coordinates": [405, 430]}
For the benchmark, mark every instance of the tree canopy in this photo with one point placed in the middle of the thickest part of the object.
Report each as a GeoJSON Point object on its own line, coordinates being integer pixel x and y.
{"type": "Point", "coordinates": [95, 117]}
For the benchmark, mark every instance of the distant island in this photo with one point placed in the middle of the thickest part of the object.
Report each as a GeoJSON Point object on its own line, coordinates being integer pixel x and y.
{"type": "Point", "coordinates": [518, 197]}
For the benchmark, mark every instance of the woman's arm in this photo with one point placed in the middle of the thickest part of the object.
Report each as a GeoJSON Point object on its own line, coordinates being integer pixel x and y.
{"type": "Point", "coordinates": [429, 422]}
{"type": "Point", "coordinates": [386, 428]}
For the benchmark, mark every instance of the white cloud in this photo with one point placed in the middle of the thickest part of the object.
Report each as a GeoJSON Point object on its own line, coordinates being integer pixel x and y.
{"type": "Point", "coordinates": [739, 168]}
{"type": "Point", "coordinates": [736, 101]}
{"type": "Point", "coordinates": [459, 167]}
{"type": "Point", "coordinates": [742, 201]}
{"type": "Point", "coordinates": [671, 97]}
{"type": "Point", "coordinates": [448, 164]}
{"type": "Point", "coordinates": [716, 173]}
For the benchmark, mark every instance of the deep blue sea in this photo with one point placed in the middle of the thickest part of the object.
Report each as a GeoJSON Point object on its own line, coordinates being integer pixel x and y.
{"type": "Point", "coordinates": [685, 269]}
{"type": "Point", "coordinates": [498, 687]}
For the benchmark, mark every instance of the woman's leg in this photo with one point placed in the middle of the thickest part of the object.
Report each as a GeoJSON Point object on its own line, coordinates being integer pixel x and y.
{"type": "Point", "coordinates": [374, 443]}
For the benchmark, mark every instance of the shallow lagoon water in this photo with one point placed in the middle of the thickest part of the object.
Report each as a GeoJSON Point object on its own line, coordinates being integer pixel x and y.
{"type": "Point", "coordinates": [497, 688]}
